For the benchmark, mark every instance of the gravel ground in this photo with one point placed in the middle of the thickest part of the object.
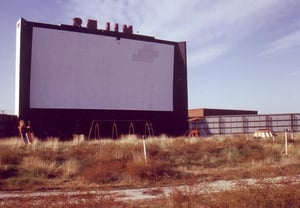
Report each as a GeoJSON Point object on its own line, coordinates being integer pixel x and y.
{"type": "Point", "coordinates": [157, 192]}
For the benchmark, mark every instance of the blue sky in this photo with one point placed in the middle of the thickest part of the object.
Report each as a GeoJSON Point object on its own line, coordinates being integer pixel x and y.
{"type": "Point", "coordinates": [242, 54]}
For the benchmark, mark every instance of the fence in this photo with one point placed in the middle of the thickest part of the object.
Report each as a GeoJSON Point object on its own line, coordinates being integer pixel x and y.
{"type": "Point", "coordinates": [245, 124]}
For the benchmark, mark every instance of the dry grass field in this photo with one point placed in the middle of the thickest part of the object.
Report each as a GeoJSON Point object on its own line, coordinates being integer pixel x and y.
{"type": "Point", "coordinates": [118, 164]}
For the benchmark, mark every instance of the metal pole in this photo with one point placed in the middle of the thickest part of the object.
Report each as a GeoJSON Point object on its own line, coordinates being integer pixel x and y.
{"type": "Point", "coordinates": [286, 136]}
{"type": "Point", "coordinates": [145, 151]}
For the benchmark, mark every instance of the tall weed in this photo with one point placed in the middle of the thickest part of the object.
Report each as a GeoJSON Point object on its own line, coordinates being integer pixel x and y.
{"type": "Point", "coordinates": [167, 160]}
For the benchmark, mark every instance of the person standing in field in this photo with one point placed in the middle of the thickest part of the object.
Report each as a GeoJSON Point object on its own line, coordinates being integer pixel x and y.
{"type": "Point", "coordinates": [23, 132]}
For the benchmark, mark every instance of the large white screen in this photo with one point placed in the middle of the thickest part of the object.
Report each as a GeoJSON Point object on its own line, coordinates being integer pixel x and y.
{"type": "Point", "coordinates": [73, 70]}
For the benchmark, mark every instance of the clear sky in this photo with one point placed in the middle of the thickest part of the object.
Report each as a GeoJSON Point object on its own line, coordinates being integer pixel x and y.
{"type": "Point", "coordinates": [242, 54]}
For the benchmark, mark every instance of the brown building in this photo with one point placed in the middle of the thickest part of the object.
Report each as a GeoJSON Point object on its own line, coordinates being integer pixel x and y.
{"type": "Point", "coordinates": [202, 112]}
{"type": "Point", "coordinates": [8, 125]}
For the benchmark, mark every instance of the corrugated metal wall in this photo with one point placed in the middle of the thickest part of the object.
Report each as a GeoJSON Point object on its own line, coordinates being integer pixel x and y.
{"type": "Point", "coordinates": [246, 124]}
